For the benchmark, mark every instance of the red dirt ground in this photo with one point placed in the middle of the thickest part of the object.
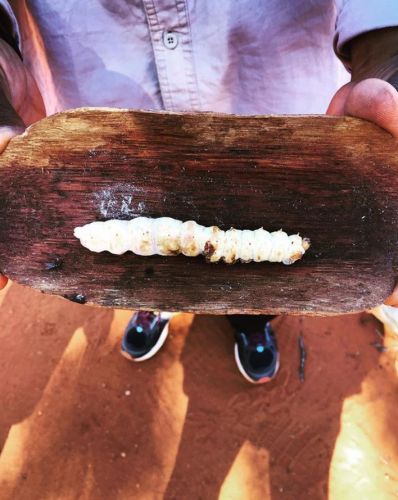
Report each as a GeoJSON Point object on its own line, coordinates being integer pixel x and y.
{"type": "Point", "coordinates": [78, 421]}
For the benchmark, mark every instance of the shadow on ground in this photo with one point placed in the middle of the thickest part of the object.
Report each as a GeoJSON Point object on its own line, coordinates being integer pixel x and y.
{"type": "Point", "coordinates": [78, 421]}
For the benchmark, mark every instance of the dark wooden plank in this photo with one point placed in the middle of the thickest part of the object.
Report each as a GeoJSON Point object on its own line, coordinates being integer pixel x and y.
{"type": "Point", "coordinates": [331, 179]}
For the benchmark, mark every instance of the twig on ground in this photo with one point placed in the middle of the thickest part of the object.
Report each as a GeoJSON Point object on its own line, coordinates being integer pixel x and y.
{"type": "Point", "coordinates": [303, 357]}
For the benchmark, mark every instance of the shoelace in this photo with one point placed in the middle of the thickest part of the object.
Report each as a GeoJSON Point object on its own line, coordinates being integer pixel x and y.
{"type": "Point", "coordinates": [146, 319]}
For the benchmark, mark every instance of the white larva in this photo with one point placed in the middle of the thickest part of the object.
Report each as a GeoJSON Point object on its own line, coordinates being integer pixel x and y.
{"type": "Point", "coordinates": [167, 236]}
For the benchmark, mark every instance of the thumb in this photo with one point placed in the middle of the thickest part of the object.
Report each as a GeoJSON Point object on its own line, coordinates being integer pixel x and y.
{"type": "Point", "coordinates": [337, 104]}
{"type": "Point", "coordinates": [376, 101]}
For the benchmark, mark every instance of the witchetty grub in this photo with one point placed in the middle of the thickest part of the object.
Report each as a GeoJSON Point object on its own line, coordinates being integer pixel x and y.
{"type": "Point", "coordinates": [167, 236]}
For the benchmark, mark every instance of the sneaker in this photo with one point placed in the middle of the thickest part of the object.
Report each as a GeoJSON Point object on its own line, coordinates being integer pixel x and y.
{"type": "Point", "coordinates": [257, 355]}
{"type": "Point", "coordinates": [144, 336]}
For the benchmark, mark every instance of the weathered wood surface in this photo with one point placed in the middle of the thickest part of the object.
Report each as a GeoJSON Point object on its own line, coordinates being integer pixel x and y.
{"type": "Point", "coordinates": [333, 180]}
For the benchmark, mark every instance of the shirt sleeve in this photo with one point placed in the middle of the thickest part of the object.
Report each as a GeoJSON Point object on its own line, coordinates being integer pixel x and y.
{"type": "Point", "coordinates": [9, 28]}
{"type": "Point", "coordinates": [355, 17]}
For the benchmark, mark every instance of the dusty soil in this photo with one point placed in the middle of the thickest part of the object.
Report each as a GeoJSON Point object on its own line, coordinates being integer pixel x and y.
{"type": "Point", "coordinates": [78, 421]}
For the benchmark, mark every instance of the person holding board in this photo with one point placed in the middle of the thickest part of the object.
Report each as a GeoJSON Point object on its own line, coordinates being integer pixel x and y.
{"type": "Point", "coordinates": [231, 56]}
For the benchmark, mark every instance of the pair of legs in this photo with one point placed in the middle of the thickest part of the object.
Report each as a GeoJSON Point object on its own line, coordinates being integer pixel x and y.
{"type": "Point", "coordinates": [256, 352]}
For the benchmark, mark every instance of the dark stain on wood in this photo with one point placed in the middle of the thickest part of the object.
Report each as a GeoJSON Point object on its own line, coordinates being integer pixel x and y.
{"type": "Point", "coordinates": [76, 297]}
{"type": "Point", "coordinates": [149, 271]}
{"type": "Point", "coordinates": [54, 264]}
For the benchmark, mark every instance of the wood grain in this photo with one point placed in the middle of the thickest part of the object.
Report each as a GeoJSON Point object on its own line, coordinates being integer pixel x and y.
{"type": "Point", "coordinates": [331, 179]}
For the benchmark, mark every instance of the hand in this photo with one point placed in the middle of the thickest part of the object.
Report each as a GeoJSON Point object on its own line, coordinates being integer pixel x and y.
{"type": "Point", "coordinates": [371, 99]}
{"type": "Point", "coordinates": [20, 101]}
{"type": "Point", "coordinates": [372, 94]}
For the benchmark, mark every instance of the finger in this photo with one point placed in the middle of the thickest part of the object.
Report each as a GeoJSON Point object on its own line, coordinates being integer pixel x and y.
{"type": "Point", "coordinates": [7, 133]}
{"type": "Point", "coordinates": [376, 101]}
{"type": "Point", "coordinates": [3, 281]}
{"type": "Point", "coordinates": [337, 104]}
{"type": "Point", "coordinates": [392, 300]}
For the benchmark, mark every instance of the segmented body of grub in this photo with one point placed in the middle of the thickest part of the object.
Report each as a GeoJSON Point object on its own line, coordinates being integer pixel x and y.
{"type": "Point", "coordinates": [167, 236]}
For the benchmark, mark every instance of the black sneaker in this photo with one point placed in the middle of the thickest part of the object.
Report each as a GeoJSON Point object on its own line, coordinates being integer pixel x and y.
{"type": "Point", "coordinates": [257, 355]}
{"type": "Point", "coordinates": [144, 336]}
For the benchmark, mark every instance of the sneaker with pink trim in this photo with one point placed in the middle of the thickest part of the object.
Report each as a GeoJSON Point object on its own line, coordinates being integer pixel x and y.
{"type": "Point", "coordinates": [256, 354]}
{"type": "Point", "coordinates": [145, 334]}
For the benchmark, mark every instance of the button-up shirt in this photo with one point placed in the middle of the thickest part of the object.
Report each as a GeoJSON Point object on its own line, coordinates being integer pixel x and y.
{"type": "Point", "coordinates": [231, 56]}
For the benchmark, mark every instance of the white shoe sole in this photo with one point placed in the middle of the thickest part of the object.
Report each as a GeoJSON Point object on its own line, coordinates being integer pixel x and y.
{"type": "Point", "coordinates": [246, 376]}
{"type": "Point", "coordinates": [153, 351]}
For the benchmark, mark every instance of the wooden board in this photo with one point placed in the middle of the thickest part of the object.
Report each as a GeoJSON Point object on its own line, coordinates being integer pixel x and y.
{"type": "Point", "coordinates": [331, 179]}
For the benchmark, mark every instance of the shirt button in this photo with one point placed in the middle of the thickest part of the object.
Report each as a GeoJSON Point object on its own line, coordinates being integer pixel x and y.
{"type": "Point", "coordinates": [170, 40]}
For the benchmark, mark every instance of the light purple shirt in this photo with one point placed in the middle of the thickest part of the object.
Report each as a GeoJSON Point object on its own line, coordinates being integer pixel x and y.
{"type": "Point", "coordinates": [231, 56]}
